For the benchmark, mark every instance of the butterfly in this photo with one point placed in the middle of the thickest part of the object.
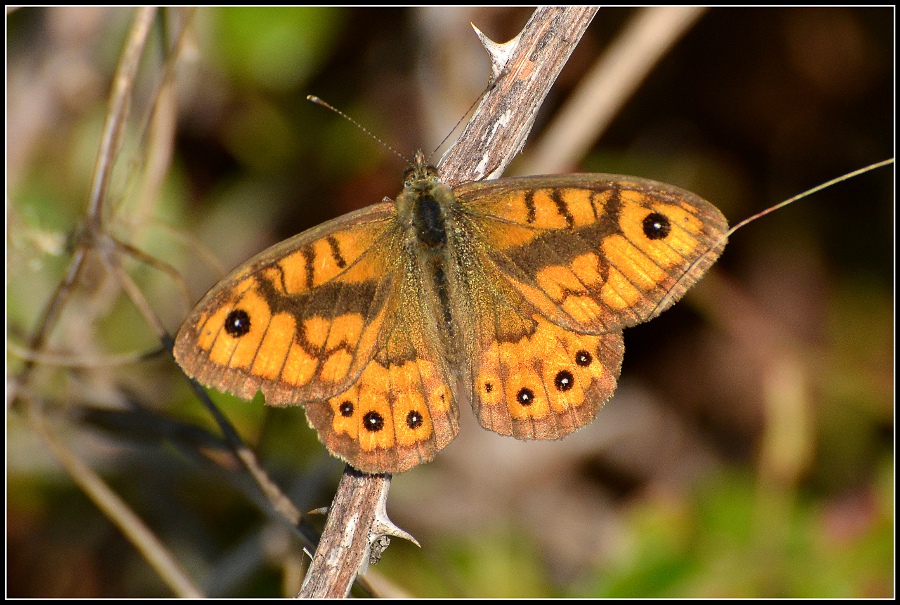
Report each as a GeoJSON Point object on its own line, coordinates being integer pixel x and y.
{"type": "Point", "coordinates": [508, 294]}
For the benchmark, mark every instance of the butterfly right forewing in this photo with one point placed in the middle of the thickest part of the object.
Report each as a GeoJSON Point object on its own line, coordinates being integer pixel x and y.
{"type": "Point", "coordinates": [595, 252]}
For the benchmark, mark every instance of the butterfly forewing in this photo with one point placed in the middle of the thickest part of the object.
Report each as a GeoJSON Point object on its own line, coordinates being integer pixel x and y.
{"type": "Point", "coordinates": [594, 253]}
{"type": "Point", "coordinates": [300, 320]}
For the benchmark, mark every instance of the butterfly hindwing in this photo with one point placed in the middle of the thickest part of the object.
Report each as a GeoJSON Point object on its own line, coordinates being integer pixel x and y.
{"type": "Point", "coordinates": [534, 379]}
{"type": "Point", "coordinates": [403, 407]}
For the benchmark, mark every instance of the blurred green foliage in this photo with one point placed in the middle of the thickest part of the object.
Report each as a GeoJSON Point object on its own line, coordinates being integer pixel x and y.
{"type": "Point", "coordinates": [275, 48]}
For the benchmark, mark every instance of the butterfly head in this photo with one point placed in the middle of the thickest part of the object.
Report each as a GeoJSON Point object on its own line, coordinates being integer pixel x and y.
{"type": "Point", "coordinates": [421, 176]}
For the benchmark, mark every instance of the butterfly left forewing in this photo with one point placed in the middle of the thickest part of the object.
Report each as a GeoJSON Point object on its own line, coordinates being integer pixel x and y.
{"type": "Point", "coordinates": [594, 252]}
{"type": "Point", "coordinates": [325, 320]}
{"type": "Point", "coordinates": [300, 320]}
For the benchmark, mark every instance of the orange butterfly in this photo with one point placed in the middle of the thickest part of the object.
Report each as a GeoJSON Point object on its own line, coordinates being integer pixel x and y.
{"type": "Point", "coordinates": [510, 294]}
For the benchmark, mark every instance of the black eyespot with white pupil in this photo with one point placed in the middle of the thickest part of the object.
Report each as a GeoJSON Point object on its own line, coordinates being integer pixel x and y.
{"type": "Point", "coordinates": [564, 380]}
{"type": "Point", "coordinates": [373, 422]}
{"type": "Point", "coordinates": [346, 409]}
{"type": "Point", "coordinates": [414, 419]}
{"type": "Point", "coordinates": [237, 323]}
{"type": "Point", "coordinates": [583, 358]}
{"type": "Point", "coordinates": [525, 396]}
{"type": "Point", "coordinates": [657, 226]}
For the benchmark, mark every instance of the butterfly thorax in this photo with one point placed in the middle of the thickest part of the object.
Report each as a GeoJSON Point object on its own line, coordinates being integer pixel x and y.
{"type": "Point", "coordinates": [422, 205]}
{"type": "Point", "coordinates": [424, 212]}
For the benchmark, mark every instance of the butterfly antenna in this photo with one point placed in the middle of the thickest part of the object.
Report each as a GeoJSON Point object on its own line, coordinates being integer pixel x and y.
{"type": "Point", "coordinates": [769, 210]}
{"type": "Point", "coordinates": [319, 101]}
{"type": "Point", "coordinates": [807, 193]}
{"type": "Point", "coordinates": [463, 116]}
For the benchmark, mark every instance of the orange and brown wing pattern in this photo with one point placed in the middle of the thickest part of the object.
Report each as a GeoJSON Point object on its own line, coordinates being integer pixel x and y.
{"type": "Point", "coordinates": [402, 409]}
{"type": "Point", "coordinates": [299, 321]}
{"type": "Point", "coordinates": [527, 376]}
{"type": "Point", "coordinates": [373, 321]}
{"type": "Point", "coordinates": [534, 379]}
{"type": "Point", "coordinates": [594, 253]}
{"type": "Point", "coordinates": [568, 262]}
{"type": "Point", "coordinates": [328, 319]}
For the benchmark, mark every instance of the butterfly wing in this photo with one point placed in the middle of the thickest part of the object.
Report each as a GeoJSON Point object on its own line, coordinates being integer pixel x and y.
{"type": "Point", "coordinates": [531, 378]}
{"type": "Point", "coordinates": [402, 409]}
{"type": "Point", "coordinates": [316, 320]}
{"type": "Point", "coordinates": [595, 252]}
{"type": "Point", "coordinates": [299, 320]}
{"type": "Point", "coordinates": [569, 262]}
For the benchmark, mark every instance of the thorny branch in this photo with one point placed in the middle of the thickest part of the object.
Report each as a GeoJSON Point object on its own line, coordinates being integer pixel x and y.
{"type": "Point", "coordinates": [524, 70]}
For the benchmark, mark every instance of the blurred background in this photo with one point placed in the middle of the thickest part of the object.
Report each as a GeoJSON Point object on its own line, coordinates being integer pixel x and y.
{"type": "Point", "coordinates": [749, 450]}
